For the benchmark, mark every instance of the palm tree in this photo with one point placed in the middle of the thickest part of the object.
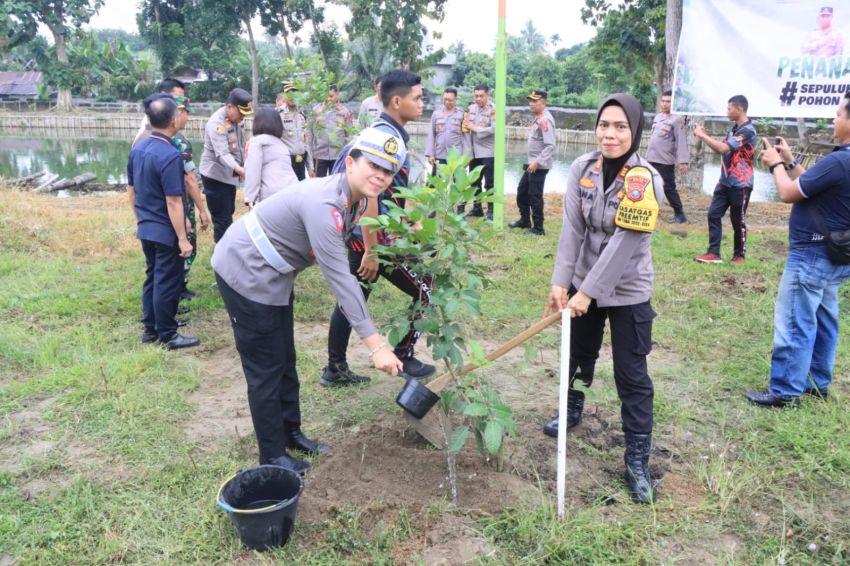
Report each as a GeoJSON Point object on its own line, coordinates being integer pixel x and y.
{"type": "Point", "coordinates": [534, 40]}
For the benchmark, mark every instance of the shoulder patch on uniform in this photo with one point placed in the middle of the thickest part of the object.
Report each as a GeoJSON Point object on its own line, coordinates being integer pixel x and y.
{"type": "Point", "coordinates": [639, 209]}
{"type": "Point", "coordinates": [339, 223]}
{"type": "Point", "coordinates": [587, 183]}
{"type": "Point", "coordinates": [221, 128]}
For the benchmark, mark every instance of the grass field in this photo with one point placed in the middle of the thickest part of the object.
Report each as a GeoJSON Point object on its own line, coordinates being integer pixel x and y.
{"type": "Point", "coordinates": [112, 451]}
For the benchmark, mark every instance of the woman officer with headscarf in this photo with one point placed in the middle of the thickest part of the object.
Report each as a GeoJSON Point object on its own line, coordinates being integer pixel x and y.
{"type": "Point", "coordinates": [604, 271]}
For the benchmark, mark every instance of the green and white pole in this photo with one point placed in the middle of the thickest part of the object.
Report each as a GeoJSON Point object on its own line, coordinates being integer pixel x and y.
{"type": "Point", "coordinates": [500, 100]}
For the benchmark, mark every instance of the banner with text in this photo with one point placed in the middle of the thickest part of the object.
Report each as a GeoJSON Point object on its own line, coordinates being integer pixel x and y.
{"type": "Point", "coordinates": [786, 56]}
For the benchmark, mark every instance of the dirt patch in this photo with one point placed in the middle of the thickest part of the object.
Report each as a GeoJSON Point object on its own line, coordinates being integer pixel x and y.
{"type": "Point", "coordinates": [389, 463]}
{"type": "Point", "coordinates": [779, 248]}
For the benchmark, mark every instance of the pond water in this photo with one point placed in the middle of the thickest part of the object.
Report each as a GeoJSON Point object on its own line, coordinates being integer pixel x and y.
{"type": "Point", "coordinates": [107, 158]}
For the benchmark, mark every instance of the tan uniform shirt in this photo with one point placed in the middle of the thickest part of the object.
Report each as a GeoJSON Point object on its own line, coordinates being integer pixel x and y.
{"type": "Point", "coordinates": [445, 133]}
{"type": "Point", "coordinates": [483, 141]}
{"type": "Point", "coordinates": [541, 140]}
{"type": "Point", "coordinates": [370, 109]}
{"type": "Point", "coordinates": [295, 133]}
{"type": "Point", "coordinates": [327, 133]}
{"type": "Point", "coordinates": [604, 261]}
{"type": "Point", "coordinates": [223, 148]}
{"type": "Point", "coordinates": [668, 143]}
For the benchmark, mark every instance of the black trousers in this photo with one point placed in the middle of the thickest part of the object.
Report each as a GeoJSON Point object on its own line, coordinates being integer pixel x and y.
{"type": "Point", "coordinates": [631, 342]}
{"type": "Point", "coordinates": [161, 289]}
{"type": "Point", "coordinates": [668, 174]}
{"type": "Point", "coordinates": [529, 195]}
{"type": "Point", "coordinates": [300, 167]}
{"type": "Point", "coordinates": [324, 167]}
{"type": "Point", "coordinates": [736, 201]}
{"type": "Point", "coordinates": [265, 340]}
{"type": "Point", "coordinates": [485, 181]}
{"type": "Point", "coordinates": [434, 166]}
{"type": "Point", "coordinates": [221, 202]}
{"type": "Point", "coordinates": [404, 277]}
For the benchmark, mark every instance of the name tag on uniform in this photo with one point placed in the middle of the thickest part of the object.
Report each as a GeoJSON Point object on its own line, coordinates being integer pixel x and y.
{"type": "Point", "coordinates": [638, 209]}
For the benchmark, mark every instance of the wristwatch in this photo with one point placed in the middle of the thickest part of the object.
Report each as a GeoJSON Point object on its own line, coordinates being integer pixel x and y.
{"type": "Point", "coordinates": [791, 166]}
{"type": "Point", "coordinates": [775, 165]}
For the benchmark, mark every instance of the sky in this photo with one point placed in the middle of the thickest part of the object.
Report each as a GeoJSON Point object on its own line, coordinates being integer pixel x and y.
{"type": "Point", "coordinates": [473, 22]}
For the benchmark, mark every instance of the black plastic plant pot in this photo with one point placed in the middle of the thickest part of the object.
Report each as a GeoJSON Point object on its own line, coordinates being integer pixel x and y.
{"type": "Point", "coordinates": [416, 399]}
{"type": "Point", "coordinates": [262, 502]}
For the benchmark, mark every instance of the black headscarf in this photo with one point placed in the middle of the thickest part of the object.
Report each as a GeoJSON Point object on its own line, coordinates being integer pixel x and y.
{"type": "Point", "coordinates": [634, 114]}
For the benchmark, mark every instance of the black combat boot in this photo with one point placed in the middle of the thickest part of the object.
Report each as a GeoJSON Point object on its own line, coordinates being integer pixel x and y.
{"type": "Point", "coordinates": [575, 407]}
{"type": "Point", "coordinates": [637, 467]}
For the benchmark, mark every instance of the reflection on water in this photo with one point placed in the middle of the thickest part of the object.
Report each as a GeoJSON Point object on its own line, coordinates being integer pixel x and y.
{"type": "Point", "coordinates": [107, 158]}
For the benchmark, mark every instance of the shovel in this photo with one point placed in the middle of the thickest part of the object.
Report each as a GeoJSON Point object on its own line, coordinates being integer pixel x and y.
{"type": "Point", "coordinates": [418, 399]}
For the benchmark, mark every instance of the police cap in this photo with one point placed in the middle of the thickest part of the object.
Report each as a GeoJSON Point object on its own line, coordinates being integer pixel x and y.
{"type": "Point", "coordinates": [537, 95]}
{"type": "Point", "coordinates": [241, 99]}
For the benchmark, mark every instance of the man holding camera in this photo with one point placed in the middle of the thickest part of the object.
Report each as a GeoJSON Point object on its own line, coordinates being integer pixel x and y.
{"type": "Point", "coordinates": [805, 332]}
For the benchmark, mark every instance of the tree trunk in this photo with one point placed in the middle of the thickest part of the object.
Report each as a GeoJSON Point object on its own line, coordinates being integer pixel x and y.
{"type": "Point", "coordinates": [63, 100]}
{"type": "Point", "coordinates": [255, 66]}
{"type": "Point", "coordinates": [285, 37]}
{"type": "Point", "coordinates": [694, 179]}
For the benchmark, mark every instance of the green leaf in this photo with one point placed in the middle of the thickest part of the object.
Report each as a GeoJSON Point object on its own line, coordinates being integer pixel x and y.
{"type": "Point", "coordinates": [458, 438]}
{"type": "Point", "coordinates": [476, 410]}
{"type": "Point", "coordinates": [493, 434]}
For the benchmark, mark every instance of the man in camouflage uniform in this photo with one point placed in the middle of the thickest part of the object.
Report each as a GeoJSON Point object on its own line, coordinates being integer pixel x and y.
{"type": "Point", "coordinates": [328, 132]}
{"type": "Point", "coordinates": [294, 132]}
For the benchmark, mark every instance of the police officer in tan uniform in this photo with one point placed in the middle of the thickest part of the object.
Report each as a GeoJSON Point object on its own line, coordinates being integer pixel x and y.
{"type": "Point", "coordinates": [223, 159]}
{"type": "Point", "coordinates": [668, 146]}
{"type": "Point", "coordinates": [327, 133]}
{"type": "Point", "coordinates": [480, 123]}
{"type": "Point", "coordinates": [295, 132]}
{"type": "Point", "coordinates": [371, 107]}
{"type": "Point", "coordinates": [540, 150]}
{"type": "Point", "coordinates": [445, 131]}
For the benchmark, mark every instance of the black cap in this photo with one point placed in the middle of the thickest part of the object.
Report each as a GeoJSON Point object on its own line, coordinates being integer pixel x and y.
{"type": "Point", "coordinates": [156, 96]}
{"type": "Point", "coordinates": [289, 87]}
{"type": "Point", "coordinates": [537, 95]}
{"type": "Point", "coordinates": [242, 100]}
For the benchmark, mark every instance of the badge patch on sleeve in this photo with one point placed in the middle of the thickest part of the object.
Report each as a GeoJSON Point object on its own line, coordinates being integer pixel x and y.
{"type": "Point", "coordinates": [639, 209]}
{"type": "Point", "coordinates": [339, 223]}
{"type": "Point", "coordinates": [220, 129]}
{"type": "Point", "coordinates": [587, 183]}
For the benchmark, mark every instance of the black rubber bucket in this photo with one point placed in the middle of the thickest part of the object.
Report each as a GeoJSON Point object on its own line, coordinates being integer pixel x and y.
{"type": "Point", "coordinates": [416, 399]}
{"type": "Point", "coordinates": [262, 502]}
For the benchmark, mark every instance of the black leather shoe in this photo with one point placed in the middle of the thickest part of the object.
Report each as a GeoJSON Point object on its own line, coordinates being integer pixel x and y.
{"type": "Point", "coordinates": [636, 458]}
{"type": "Point", "coordinates": [768, 399]}
{"type": "Point", "coordinates": [149, 336]}
{"type": "Point", "coordinates": [295, 440]}
{"type": "Point", "coordinates": [536, 231]}
{"type": "Point", "coordinates": [461, 209]}
{"type": "Point", "coordinates": [179, 341]}
{"type": "Point", "coordinates": [520, 224]}
{"type": "Point", "coordinates": [288, 462]}
{"type": "Point", "coordinates": [476, 212]}
{"type": "Point", "coordinates": [489, 216]}
{"type": "Point", "coordinates": [818, 393]}
{"type": "Point", "coordinates": [182, 323]}
{"type": "Point", "coordinates": [679, 218]}
{"type": "Point", "coordinates": [182, 310]}
{"type": "Point", "coordinates": [340, 375]}
{"type": "Point", "coordinates": [187, 295]}
{"type": "Point", "coordinates": [414, 369]}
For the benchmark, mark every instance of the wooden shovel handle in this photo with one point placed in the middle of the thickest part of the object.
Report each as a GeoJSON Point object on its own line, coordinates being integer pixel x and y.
{"type": "Point", "coordinates": [441, 382]}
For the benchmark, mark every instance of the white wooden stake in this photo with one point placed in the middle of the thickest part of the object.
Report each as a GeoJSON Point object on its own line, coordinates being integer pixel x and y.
{"type": "Point", "coordinates": [562, 409]}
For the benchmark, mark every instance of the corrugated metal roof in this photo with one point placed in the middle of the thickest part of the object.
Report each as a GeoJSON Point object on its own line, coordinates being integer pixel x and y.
{"type": "Point", "coordinates": [17, 83]}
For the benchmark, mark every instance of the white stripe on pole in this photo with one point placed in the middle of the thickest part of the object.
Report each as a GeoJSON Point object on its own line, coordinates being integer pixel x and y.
{"type": "Point", "coordinates": [562, 409]}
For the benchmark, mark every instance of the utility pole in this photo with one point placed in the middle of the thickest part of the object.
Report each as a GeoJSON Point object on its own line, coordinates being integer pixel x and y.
{"type": "Point", "coordinates": [500, 101]}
